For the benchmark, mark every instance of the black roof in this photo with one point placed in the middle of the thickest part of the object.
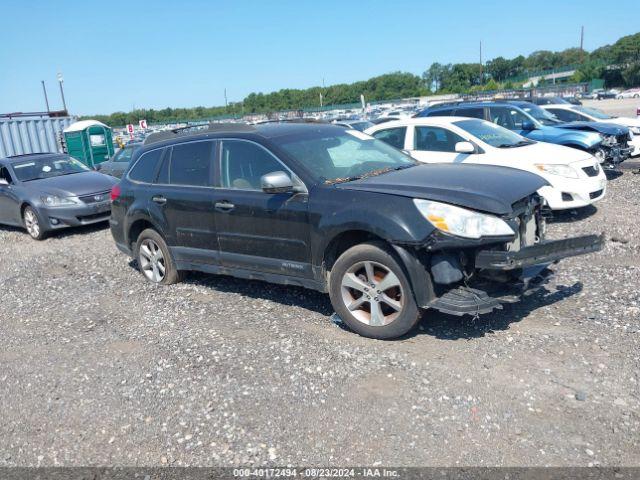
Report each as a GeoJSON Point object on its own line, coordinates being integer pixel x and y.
{"type": "Point", "coordinates": [265, 130]}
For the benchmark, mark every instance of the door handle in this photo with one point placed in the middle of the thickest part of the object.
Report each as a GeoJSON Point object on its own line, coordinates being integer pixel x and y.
{"type": "Point", "coordinates": [224, 206]}
{"type": "Point", "coordinates": [159, 199]}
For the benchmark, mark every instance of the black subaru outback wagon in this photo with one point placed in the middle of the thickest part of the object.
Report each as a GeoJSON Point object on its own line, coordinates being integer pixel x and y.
{"type": "Point", "coordinates": [337, 211]}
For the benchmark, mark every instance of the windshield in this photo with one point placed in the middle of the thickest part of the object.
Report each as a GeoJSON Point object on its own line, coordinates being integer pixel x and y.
{"type": "Point", "coordinates": [594, 113]}
{"type": "Point", "coordinates": [541, 115]}
{"type": "Point", "coordinates": [47, 167]}
{"type": "Point", "coordinates": [492, 134]}
{"type": "Point", "coordinates": [342, 155]}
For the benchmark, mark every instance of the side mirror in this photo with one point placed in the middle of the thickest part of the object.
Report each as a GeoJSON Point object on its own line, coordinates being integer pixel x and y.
{"type": "Point", "coordinates": [276, 182]}
{"type": "Point", "coordinates": [528, 125]}
{"type": "Point", "coordinates": [3, 182]}
{"type": "Point", "coordinates": [465, 147]}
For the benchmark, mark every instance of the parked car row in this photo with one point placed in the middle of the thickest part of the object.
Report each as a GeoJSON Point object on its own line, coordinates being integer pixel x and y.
{"type": "Point", "coordinates": [445, 211]}
{"type": "Point", "coordinates": [608, 142]}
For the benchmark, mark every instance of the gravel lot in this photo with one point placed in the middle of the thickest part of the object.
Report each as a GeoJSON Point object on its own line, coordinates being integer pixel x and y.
{"type": "Point", "coordinates": [100, 368]}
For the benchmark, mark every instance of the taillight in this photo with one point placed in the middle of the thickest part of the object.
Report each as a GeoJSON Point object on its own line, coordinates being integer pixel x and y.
{"type": "Point", "coordinates": [115, 192]}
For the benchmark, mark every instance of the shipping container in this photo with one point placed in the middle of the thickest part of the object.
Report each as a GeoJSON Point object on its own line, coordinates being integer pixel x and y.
{"type": "Point", "coordinates": [21, 134]}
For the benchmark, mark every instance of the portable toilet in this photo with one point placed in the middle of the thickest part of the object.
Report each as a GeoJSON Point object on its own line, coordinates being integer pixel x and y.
{"type": "Point", "coordinates": [89, 141]}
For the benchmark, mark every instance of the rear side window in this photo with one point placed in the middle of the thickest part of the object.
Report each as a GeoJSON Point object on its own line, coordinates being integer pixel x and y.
{"type": "Point", "coordinates": [146, 167]}
{"type": "Point", "coordinates": [392, 136]}
{"type": "Point", "coordinates": [477, 112]}
{"type": "Point", "coordinates": [191, 164]}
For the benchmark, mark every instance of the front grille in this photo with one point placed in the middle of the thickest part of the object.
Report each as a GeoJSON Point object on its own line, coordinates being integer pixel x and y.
{"type": "Point", "coordinates": [595, 194]}
{"type": "Point", "coordinates": [95, 216]}
{"type": "Point", "coordinates": [591, 171]}
{"type": "Point", "coordinates": [95, 197]}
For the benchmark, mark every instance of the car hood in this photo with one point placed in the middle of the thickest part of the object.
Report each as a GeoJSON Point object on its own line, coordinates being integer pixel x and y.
{"type": "Point", "coordinates": [78, 184]}
{"type": "Point", "coordinates": [600, 127]}
{"type": "Point", "coordinates": [539, 152]}
{"type": "Point", "coordinates": [480, 187]}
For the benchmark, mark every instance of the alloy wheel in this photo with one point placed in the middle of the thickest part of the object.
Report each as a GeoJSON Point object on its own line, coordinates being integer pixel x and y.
{"type": "Point", "coordinates": [372, 293]}
{"type": "Point", "coordinates": [31, 223]}
{"type": "Point", "coordinates": [152, 261]}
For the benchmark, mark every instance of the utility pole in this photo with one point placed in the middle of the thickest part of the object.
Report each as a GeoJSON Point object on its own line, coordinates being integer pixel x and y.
{"type": "Point", "coordinates": [481, 72]}
{"type": "Point", "coordinates": [46, 100]}
{"type": "Point", "coordinates": [582, 38]}
{"type": "Point", "coordinates": [226, 105]}
{"type": "Point", "coordinates": [61, 81]}
{"type": "Point", "coordinates": [320, 99]}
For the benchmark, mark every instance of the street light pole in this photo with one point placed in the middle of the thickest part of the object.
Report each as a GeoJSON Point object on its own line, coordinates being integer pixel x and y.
{"type": "Point", "coordinates": [61, 81]}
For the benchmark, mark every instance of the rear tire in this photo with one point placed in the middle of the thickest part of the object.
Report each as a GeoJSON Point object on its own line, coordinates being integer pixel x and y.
{"type": "Point", "coordinates": [154, 259]}
{"type": "Point", "coordinates": [33, 224]}
{"type": "Point", "coordinates": [371, 293]}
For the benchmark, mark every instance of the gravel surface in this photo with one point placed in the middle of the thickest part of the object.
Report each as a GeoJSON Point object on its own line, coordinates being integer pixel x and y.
{"type": "Point", "coordinates": [100, 368]}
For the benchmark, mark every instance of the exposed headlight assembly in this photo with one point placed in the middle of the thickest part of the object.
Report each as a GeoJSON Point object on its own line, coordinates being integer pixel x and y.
{"type": "Point", "coordinates": [56, 201]}
{"type": "Point", "coordinates": [609, 140]}
{"type": "Point", "coordinates": [561, 170]}
{"type": "Point", "coordinates": [460, 221]}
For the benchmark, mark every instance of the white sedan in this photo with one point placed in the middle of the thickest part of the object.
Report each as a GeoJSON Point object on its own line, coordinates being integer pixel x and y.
{"type": "Point", "coordinates": [578, 113]}
{"type": "Point", "coordinates": [575, 177]}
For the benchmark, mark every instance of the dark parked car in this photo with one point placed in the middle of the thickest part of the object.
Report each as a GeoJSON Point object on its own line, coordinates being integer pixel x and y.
{"type": "Point", "coordinates": [555, 101]}
{"type": "Point", "coordinates": [49, 191]}
{"type": "Point", "coordinates": [118, 164]}
{"type": "Point", "coordinates": [337, 211]}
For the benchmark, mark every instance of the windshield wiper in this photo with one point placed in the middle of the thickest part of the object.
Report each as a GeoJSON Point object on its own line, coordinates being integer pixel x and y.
{"type": "Point", "coordinates": [372, 173]}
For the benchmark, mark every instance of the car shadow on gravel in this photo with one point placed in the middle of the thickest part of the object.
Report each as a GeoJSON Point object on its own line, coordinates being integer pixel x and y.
{"type": "Point", "coordinates": [613, 174]}
{"type": "Point", "coordinates": [433, 323]}
{"type": "Point", "coordinates": [573, 215]}
{"type": "Point", "coordinates": [288, 295]}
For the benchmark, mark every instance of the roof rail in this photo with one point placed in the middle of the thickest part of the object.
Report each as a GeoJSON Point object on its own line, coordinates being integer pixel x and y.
{"type": "Point", "coordinates": [197, 129]}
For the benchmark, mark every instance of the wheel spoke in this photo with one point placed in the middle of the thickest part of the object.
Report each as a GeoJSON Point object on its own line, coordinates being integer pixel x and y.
{"type": "Point", "coordinates": [156, 273]}
{"type": "Point", "coordinates": [368, 267]}
{"type": "Point", "coordinates": [146, 252]}
{"type": "Point", "coordinates": [357, 303]}
{"type": "Point", "coordinates": [161, 268]}
{"type": "Point", "coordinates": [390, 280]}
{"type": "Point", "coordinates": [396, 305]}
{"type": "Point", "coordinates": [377, 317]}
{"type": "Point", "coordinates": [351, 281]}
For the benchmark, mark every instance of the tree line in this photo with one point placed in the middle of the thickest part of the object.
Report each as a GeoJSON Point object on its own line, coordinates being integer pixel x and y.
{"type": "Point", "coordinates": [617, 64]}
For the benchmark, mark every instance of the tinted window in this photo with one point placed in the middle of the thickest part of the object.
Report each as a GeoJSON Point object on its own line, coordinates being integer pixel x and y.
{"type": "Point", "coordinates": [507, 117]}
{"type": "Point", "coordinates": [4, 175]}
{"type": "Point", "coordinates": [436, 139]}
{"type": "Point", "coordinates": [392, 136]}
{"type": "Point", "coordinates": [191, 164]}
{"type": "Point", "coordinates": [566, 115]}
{"type": "Point", "coordinates": [244, 163]}
{"type": "Point", "coordinates": [477, 112]}
{"type": "Point", "coordinates": [145, 168]}
{"type": "Point", "coordinates": [124, 155]}
{"type": "Point", "coordinates": [445, 112]}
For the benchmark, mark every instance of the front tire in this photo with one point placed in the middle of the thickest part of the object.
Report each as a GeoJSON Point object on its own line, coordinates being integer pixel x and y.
{"type": "Point", "coordinates": [32, 224]}
{"type": "Point", "coordinates": [154, 259]}
{"type": "Point", "coordinates": [371, 293]}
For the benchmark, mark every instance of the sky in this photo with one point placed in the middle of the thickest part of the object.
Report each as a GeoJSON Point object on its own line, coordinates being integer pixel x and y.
{"type": "Point", "coordinates": [115, 55]}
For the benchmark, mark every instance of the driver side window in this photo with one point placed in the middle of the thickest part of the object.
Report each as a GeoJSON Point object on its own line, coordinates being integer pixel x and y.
{"type": "Point", "coordinates": [244, 163]}
{"type": "Point", "coordinates": [565, 115]}
{"type": "Point", "coordinates": [436, 139]}
{"type": "Point", "coordinates": [5, 175]}
{"type": "Point", "coordinates": [509, 118]}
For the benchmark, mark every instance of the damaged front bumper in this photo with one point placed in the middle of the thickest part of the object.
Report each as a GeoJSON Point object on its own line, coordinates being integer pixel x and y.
{"type": "Point", "coordinates": [506, 276]}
